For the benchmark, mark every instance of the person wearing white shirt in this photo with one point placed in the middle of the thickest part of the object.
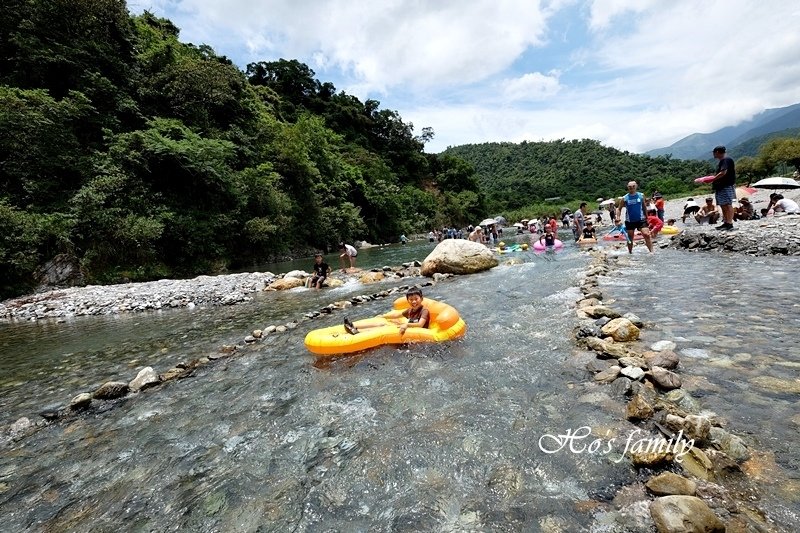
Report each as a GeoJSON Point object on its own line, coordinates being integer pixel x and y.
{"type": "Point", "coordinates": [788, 206]}
{"type": "Point", "coordinates": [690, 208]}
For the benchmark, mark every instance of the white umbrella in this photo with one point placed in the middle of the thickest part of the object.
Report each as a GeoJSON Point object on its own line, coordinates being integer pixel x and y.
{"type": "Point", "coordinates": [608, 202]}
{"type": "Point", "coordinates": [776, 182]}
{"type": "Point", "coordinates": [519, 225]}
{"type": "Point", "coordinates": [487, 222]}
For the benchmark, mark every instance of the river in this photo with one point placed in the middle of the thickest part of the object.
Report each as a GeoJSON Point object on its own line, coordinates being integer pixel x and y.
{"type": "Point", "coordinates": [422, 438]}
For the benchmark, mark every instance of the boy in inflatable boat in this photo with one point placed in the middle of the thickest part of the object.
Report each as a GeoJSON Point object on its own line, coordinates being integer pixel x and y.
{"type": "Point", "coordinates": [417, 315]}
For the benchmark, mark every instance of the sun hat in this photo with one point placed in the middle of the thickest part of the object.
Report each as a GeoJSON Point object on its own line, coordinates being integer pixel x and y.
{"type": "Point", "coordinates": [478, 228]}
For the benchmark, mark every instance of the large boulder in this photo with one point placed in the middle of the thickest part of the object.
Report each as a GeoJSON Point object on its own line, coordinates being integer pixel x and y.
{"type": "Point", "coordinates": [458, 256]}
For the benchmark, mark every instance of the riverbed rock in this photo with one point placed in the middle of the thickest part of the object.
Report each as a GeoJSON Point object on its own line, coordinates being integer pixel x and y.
{"type": "Point", "coordinates": [589, 302]}
{"type": "Point", "coordinates": [638, 408]}
{"type": "Point", "coordinates": [660, 346]}
{"type": "Point", "coordinates": [285, 283]}
{"type": "Point", "coordinates": [80, 401]}
{"type": "Point", "coordinates": [111, 390]}
{"type": "Point", "coordinates": [732, 445]}
{"type": "Point", "coordinates": [147, 377]}
{"type": "Point", "coordinates": [22, 427]}
{"type": "Point", "coordinates": [664, 378]}
{"type": "Point", "coordinates": [665, 359]}
{"type": "Point", "coordinates": [458, 256]}
{"type": "Point", "coordinates": [774, 384]}
{"type": "Point", "coordinates": [633, 361]}
{"type": "Point", "coordinates": [682, 399]}
{"type": "Point", "coordinates": [669, 484]}
{"type": "Point", "coordinates": [684, 514]}
{"type": "Point", "coordinates": [371, 277]}
{"type": "Point", "coordinates": [621, 330]}
{"type": "Point", "coordinates": [601, 311]}
{"type": "Point", "coordinates": [635, 320]}
{"type": "Point", "coordinates": [296, 274]}
{"type": "Point", "coordinates": [334, 282]}
{"type": "Point", "coordinates": [633, 372]}
{"type": "Point", "coordinates": [607, 376]}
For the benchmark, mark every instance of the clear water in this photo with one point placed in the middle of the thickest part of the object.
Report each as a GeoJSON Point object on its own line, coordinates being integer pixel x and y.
{"type": "Point", "coordinates": [735, 321]}
{"type": "Point", "coordinates": [424, 438]}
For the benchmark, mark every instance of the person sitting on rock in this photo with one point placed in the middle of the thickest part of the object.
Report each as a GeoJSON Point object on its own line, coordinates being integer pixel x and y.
{"type": "Point", "coordinates": [417, 316]}
{"type": "Point", "coordinates": [321, 270]}
{"type": "Point", "coordinates": [689, 208]}
{"type": "Point", "coordinates": [708, 213]}
{"type": "Point", "coordinates": [745, 210]}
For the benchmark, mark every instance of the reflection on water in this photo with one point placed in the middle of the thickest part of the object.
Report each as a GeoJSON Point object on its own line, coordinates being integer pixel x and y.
{"type": "Point", "coordinates": [435, 437]}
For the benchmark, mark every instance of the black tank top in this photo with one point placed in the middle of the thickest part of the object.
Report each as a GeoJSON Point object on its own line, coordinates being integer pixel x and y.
{"type": "Point", "coordinates": [413, 317]}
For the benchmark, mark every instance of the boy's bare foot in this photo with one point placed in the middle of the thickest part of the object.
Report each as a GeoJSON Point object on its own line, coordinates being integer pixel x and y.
{"type": "Point", "coordinates": [349, 327]}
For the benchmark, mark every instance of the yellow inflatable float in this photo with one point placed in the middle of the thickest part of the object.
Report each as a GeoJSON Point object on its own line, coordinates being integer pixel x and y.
{"type": "Point", "coordinates": [669, 230]}
{"type": "Point", "coordinates": [445, 325]}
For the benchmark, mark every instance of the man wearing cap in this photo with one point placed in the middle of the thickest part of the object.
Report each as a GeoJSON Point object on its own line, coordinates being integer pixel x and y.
{"type": "Point", "coordinates": [724, 186]}
{"type": "Point", "coordinates": [745, 210]}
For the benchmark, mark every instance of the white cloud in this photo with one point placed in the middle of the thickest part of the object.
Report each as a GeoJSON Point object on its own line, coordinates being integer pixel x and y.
{"type": "Point", "coordinates": [382, 44]}
{"type": "Point", "coordinates": [635, 74]}
{"type": "Point", "coordinates": [532, 86]}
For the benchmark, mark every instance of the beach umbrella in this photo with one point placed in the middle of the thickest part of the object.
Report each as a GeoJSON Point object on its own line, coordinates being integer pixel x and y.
{"type": "Point", "coordinates": [519, 225]}
{"type": "Point", "coordinates": [487, 222]}
{"type": "Point", "coordinates": [777, 182]}
{"type": "Point", "coordinates": [500, 219]}
{"type": "Point", "coordinates": [608, 202]}
{"type": "Point", "coordinates": [742, 192]}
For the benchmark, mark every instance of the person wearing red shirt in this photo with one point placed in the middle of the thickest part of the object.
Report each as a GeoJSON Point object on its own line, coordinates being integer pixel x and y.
{"type": "Point", "coordinates": [654, 223]}
{"type": "Point", "coordinates": [659, 201]}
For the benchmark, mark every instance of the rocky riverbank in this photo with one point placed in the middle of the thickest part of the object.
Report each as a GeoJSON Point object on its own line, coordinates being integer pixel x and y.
{"type": "Point", "coordinates": [766, 236]}
{"type": "Point", "coordinates": [224, 289]}
{"type": "Point", "coordinates": [693, 472]}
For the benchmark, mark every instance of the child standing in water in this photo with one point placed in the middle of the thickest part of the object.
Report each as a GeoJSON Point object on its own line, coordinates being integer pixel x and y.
{"type": "Point", "coordinates": [417, 315]}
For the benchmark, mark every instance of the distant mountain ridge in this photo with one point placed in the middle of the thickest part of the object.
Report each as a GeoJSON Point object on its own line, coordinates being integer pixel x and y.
{"type": "Point", "coordinates": [699, 145]}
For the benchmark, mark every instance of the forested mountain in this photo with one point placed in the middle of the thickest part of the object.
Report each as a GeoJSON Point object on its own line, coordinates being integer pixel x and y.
{"type": "Point", "coordinates": [699, 145]}
{"type": "Point", "coordinates": [519, 175]}
{"type": "Point", "coordinates": [752, 146]}
{"type": "Point", "coordinates": [136, 156]}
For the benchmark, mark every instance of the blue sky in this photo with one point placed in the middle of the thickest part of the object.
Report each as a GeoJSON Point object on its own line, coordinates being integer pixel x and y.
{"type": "Point", "coordinates": [633, 74]}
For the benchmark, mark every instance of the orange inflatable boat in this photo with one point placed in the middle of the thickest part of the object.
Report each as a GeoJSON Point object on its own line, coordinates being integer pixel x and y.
{"type": "Point", "coordinates": [445, 325]}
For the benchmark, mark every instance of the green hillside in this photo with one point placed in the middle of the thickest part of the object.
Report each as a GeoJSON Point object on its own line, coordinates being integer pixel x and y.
{"type": "Point", "coordinates": [514, 176]}
{"type": "Point", "coordinates": [751, 147]}
{"type": "Point", "coordinates": [136, 156]}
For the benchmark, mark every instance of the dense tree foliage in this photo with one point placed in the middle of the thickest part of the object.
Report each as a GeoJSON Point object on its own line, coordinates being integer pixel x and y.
{"type": "Point", "coordinates": [140, 156]}
{"type": "Point", "coordinates": [515, 176]}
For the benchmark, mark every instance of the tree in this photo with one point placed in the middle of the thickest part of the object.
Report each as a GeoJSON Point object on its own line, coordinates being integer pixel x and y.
{"type": "Point", "coordinates": [782, 150]}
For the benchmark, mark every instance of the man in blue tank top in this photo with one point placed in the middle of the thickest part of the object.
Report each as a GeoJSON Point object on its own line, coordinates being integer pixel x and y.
{"type": "Point", "coordinates": [635, 207]}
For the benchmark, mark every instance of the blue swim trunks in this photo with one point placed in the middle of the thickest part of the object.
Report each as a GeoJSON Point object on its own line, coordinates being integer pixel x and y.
{"type": "Point", "coordinates": [726, 196]}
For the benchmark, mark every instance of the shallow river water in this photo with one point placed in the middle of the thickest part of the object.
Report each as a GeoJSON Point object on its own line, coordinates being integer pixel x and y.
{"type": "Point", "coordinates": [446, 437]}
